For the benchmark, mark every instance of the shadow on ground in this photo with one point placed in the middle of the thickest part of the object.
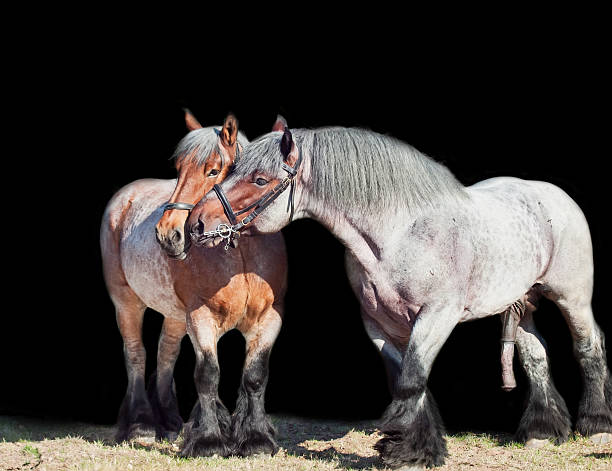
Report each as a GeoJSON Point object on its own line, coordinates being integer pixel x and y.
{"type": "Point", "coordinates": [330, 441]}
{"type": "Point", "coordinates": [17, 428]}
{"type": "Point", "coordinates": [340, 444]}
{"type": "Point", "coordinates": [348, 444]}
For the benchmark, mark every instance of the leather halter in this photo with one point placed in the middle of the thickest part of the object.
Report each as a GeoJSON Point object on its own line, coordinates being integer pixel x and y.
{"type": "Point", "coordinates": [231, 232]}
{"type": "Point", "coordinates": [189, 206]}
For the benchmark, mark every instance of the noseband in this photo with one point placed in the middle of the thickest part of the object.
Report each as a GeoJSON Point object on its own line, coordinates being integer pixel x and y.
{"type": "Point", "coordinates": [231, 232]}
{"type": "Point", "coordinates": [185, 206]}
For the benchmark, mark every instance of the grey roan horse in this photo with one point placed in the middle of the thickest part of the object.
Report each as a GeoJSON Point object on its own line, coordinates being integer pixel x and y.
{"type": "Point", "coordinates": [423, 254]}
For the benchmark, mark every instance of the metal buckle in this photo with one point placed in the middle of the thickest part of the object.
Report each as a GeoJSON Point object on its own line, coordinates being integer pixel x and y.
{"type": "Point", "coordinates": [226, 232]}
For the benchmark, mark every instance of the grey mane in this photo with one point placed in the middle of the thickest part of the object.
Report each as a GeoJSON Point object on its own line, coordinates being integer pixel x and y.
{"type": "Point", "coordinates": [199, 144]}
{"type": "Point", "coordinates": [358, 168]}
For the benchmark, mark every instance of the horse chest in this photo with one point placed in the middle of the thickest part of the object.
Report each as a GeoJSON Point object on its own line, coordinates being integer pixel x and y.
{"type": "Point", "coordinates": [380, 299]}
{"type": "Point", "coordinates": [229, 288]}
{"type": "Point", "coordinates": [229, 304]}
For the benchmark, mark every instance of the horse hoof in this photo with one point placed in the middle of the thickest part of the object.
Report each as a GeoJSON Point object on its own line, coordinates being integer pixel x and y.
{"type": "Point", "coordinates": [139, 433]}
{"type": "Point", "coordinates": [601, 438]}
{"type": "Point", "coordinates": [536, 443]}
{"type": "Point", "coordinates": [143, 441]}
{"type": "Point", "coordinates": [171, 436]}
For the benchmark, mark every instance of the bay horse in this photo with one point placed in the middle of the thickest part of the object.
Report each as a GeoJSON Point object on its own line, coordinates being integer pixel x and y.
{"type": "Point", "coordinates": [200, 292]}
{"type": "Point", "coordinates": [424, 253]}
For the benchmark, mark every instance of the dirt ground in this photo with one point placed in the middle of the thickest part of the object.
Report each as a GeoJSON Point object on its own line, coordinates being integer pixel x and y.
{"type": "Point", "coordinates": [307, 444]}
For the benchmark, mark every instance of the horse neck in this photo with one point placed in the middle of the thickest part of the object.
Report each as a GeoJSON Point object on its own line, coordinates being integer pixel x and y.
{"type": "Point", "coordinates": [369, 230]}
{"type": "Point", "coordinates": [365, 236]}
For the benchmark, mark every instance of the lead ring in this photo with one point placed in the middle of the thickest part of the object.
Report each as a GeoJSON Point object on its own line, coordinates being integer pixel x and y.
{"type": "Point", "coordinates": [224, 231]}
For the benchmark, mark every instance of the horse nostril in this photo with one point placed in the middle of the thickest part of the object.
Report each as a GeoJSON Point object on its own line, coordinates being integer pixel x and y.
{"type": "Point", "coordinates": [198, 227]}
{"type": "Point", "coordinates": [176, 236]}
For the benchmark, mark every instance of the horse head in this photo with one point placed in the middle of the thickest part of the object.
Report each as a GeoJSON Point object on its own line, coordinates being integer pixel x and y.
{"type": "Point", "coordinates": [203, 158]}
{"type": "Point", "coordinates": [267, 168]}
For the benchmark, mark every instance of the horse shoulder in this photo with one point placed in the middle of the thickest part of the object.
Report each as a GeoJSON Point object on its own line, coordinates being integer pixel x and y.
{"type": "Point", "coordinates": [117, 216]}
{"type": "Point", "coordinates": [144, 266]}
{"type": "Point", "coordinates": [134, 195]}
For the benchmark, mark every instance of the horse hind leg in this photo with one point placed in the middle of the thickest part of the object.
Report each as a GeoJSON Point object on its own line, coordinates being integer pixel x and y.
{"type": "Point", "coordinates": [135, 420]}
{"type": "Point", "coordinates": [595, 407]}
{"type": "Point", "coordinates": [568, 282]}
{"type": "Point", "coordinates": [161, 388]}
{"type": "Point", "coordinates": [546, 416]}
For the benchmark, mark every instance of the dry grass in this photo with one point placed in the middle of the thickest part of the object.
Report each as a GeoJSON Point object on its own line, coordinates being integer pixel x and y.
{"type": "Point", "coordinates": [30, 444]}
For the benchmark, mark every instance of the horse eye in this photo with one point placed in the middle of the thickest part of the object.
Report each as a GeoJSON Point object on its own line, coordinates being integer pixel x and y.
{"type": "Point", "coordinates": [261, 181]}
{"type": "Point", "coordinates": [213, 172]}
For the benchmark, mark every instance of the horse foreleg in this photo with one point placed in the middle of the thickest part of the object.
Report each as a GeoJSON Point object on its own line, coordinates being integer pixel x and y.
{"type": "Point", "coordinates": [206, 432]}
{"type": "Point", "coordinates": [161, 390]}
{"type": "Point", "coordinates": [252, 431]}
{"type": "Point", "coordinates": [546, 416]}
{"type": "Point", "coordinates": [135, 419]}
{"type": "Point", "coordinates": [391, 356]}
{"type": "Point", "coordinates": [412, 425]}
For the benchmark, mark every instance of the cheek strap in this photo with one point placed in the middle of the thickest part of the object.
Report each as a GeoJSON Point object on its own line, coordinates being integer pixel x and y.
{"type": "Point", "coordinates": [229, 212]}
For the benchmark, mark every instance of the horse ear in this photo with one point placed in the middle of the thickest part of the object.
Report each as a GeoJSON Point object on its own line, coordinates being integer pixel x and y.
{"type": "Point", "coordinates": [280, 124]}
{"type": "Point", "coordinates": [191, 121]}
{"type": "Point", "coordinates": [229, 133]}
{"type": "Point", "coordinates": [286, 143]}
{"type": "Point", "coordinates": [288, 148]}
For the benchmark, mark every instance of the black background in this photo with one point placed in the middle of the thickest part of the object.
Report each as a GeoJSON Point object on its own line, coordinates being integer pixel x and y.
{"type": "Point", "coordinates": [85, 124]}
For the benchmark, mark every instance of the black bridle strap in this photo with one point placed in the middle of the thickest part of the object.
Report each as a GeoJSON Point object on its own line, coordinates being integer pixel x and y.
{"type": "Point", "coordinates": [259, 205]}
{"type": "Point", "coordinates": [266, 200]}
{"type": "Point", "coordinates": [229, 212]}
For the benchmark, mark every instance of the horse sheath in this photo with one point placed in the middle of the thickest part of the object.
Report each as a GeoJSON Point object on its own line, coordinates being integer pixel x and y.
{"type": "Point", "coordinates": [510, 319]}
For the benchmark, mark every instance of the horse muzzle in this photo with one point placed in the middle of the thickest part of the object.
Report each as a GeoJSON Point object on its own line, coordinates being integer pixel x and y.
{"type": "Point", "coordinates": [173, 243]}
{"type": "Point", "coordinates": [223, 232]}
